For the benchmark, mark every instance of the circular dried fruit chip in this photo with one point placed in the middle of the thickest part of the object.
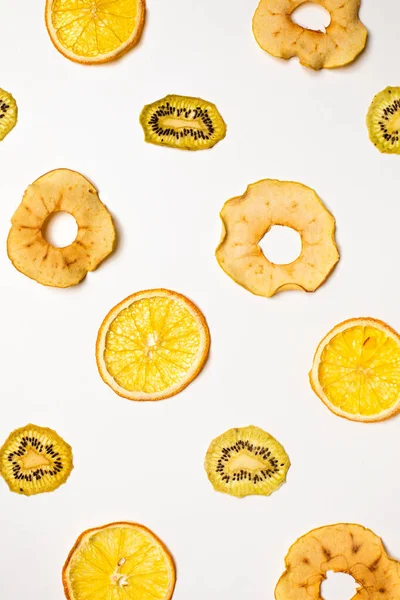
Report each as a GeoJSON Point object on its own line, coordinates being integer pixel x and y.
{"type": "Point", "coordinates": [246, 219]}
{"type": "Point", "coordinates": [245, 461]}
{"type": "Point", "coordinates": [119, 561]}
{"type": "Point", "coordinates": [152, 345]}
{"type": "Point", "coordinates": [277, 34]}
{"type": "Point", "coordinates": [34, 460]}
{"type": "Point", "coordinates": [356, 370]}
{"type": "Point", "coordinates": [383, 120]}
{"type": "Point", "coordinates": [8, 113]}
{"type": "Point", "coordinates": [94, 31]}
{"type": "Point", "coordinates": [345, 548]}
{"type": "Point", "coordinates": [182, 122]}
{"type": "Point", "coordinates": [58, 191]}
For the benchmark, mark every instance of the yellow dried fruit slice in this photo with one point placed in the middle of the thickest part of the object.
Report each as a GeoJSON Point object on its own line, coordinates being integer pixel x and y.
{"type": "Point", "coordinates": [246, 461]}
{"type": "Point", "coordinates": [247, 218]}
{"type": "Point", "coordinates": [94, 31]}
{"type": "Point", "coordinates": [8, 113]}
{"type": "Point", "coordinates": [152, 345]}
{"type": "Point", "coordinates": [61, 190]}
{"type": "Point", "coordinates": [383, 120]}
{"type": "Point", "coordinates": [34, 460]}
{"type": "Point", "coordinates": [356, 370]}
{"type": "Point", "coordinates": [277, 34]}
{"type": "Point", "coordinates": [342, 548]}
{"type": "Point", "coordinates": [182, 122]}
{"type": "Point", "coordinates": [119, 561]}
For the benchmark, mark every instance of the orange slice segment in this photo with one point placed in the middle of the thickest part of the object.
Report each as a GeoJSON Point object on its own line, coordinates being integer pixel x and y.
{"type": "Point", "coordinates": [119, 561]}
{"type": "Point", "coordinates": [152, 345]}
{"type": "Point", "coordinates": [94, 31]}
{"type": "Point", "coordinates": [356, 370]}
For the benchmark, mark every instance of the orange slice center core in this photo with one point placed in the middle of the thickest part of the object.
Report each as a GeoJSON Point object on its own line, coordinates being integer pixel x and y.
{"type": "Point", "coordinates": [34, 459]}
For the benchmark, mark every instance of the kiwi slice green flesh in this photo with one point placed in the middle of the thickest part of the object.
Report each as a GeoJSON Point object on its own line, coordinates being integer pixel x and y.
{"type": "Point", "coordinates": [383, 120]}
{"type": "Point", "coordinates": [34, 460]}
{"type": "Point", "coordinates": [8, 113]}
{"type": "Point", "coordinates": [246, 461]}
{"type": "Point", "coordinates": [182, 122]}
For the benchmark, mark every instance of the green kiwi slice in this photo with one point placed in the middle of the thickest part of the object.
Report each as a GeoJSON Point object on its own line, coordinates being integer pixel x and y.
{"type": "Point", "coordinates": [34, 460]}
{"type": "Point", "coordinates": [383, 120]}
{"type": "Point", "coordinates": [182, 122]}
{"type": "Point", "coordinates": [8, 113]}
{"type": "Point", "coordinates": [246, 461]}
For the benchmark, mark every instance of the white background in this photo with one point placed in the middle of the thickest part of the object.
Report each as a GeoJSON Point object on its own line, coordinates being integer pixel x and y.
{"type": "Point", "coordinates": [144, 462]}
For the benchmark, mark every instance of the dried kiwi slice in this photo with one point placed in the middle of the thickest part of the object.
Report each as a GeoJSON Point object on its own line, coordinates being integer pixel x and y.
{"type": "Point", "coordinates": [383, 120]}
{"type": "Point", "coordinates": [34, 460]}
{"type": "Point", "coordinates": [8, 113]}
{"type": "Point", "coordinates": [246, 461]}
{"type": "Point", "coordinates": [182, 122]}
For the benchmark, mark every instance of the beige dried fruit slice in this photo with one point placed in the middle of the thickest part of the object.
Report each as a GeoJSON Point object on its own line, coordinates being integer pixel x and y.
{"type": "Point", "coordinates": [246, 219]}
{"type": "Point", "coordinates": [8, 113]}
{"type": "Point", "coordinates": [343, 41]}
{"type": "Point", "coordinates": [94, 31]}
{"type": "Point", "coordinates": [119, 561]}
{"type": "Point", "coordinates": [34, 460]}
{"type": "Point", "coordinates": [152, 345]}
{"type": "Point", "coordinates": [246, 461]}
{"type": "Point", "coordinates": [58, 191]}
{"type": "Point", "coordinates": [345, 548]}
{"type": "Point", "coordinates": [356, 370]}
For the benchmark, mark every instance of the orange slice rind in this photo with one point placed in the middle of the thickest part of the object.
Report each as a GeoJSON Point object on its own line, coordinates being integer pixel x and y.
{"type": "Point", "coordinates": [342, 548]}
{"type": "Point", "coordinates": [61, 190]}
{"type": "Point", "coordinates": [344, 39]}
{"type": "Point", "coordinates": [119, 561]}
{"type": "Point", "coordinates": [152, 345]}
{"type": "Point", "coordinates": [94, 31]}
{"type": "Point", "coordinates": [356, 370]}
{"type": "Point", "coordinates": [247, 218]}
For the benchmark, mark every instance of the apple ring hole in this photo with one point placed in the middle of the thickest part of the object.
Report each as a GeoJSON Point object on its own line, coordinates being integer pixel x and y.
{"type": "Point", "coordinates": [338, 585]}
{"type": "Point", "coordinates": [311, 16]}
{"type": "Point", "coordinates": [281, 245]}
{"type": "Point", "coordinates": [60, 229]}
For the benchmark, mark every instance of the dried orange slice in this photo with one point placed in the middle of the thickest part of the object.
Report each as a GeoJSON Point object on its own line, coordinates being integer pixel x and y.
{"type": "Point", "coordinates": [356, 370]}
{"type": "Point", "coordinates": [152, 345]}
{"type": "Point", "coordinates": [119, 561]}
{"type": "Point", "coordinates": [342, 548]}
{"type": "Point", "coordinates": [94, 31]}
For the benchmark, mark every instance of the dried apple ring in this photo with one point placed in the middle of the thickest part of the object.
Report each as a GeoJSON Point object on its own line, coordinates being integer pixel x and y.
{"type": "Point", "coordinates": [342, 548]}
{"type": "Point", "coordinates": [343, 41]}
{"type": "Point", "coordinates": [61, 190]}
{"type": "Point", "coordinates": [246, 219]}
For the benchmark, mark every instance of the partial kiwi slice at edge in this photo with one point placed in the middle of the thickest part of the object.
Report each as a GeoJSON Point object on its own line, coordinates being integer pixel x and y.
{"type": "Point", "coordinates": [383, 120]}
{"type": "Point", "coordinates": [34, 460]}
{"type": "Point", "coordinates": [182, 122]}
{"type": "Point", "coordinates": [8, 113]}
{"type": "Point", "coordinates": [246, 461]}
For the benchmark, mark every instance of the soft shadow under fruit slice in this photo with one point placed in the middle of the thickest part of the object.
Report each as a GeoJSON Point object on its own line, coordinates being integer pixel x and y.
{"type": "Point", "coordinates": [182, 122]}
{"type": "Point", "coordinates": [94, 31]}
{"type": "Point", "coordinates": [346, 548]}
{"type": "Point", "coordinates": [34, 460]}
{"type": "Point", "coordinates": [246, 461]}
{"type": "Point", "coordinates": [152, 345]}
{"type": "Point", "coordinates": [383, 120]}
{"type": "Point", "coordinates": [356, 370]}
{"type": "Point", "coordinates": [119, 561]}
{"type": "Point", "coordinates": [8, 113]}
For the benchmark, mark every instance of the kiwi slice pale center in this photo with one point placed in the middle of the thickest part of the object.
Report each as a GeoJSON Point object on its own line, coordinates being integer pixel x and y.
{"type": "Point", "coordinates": [33, 459]}
{"type": "Point", "coordinates": [177, 123]}
{"type": "Point", "coordinates": [245, 461]}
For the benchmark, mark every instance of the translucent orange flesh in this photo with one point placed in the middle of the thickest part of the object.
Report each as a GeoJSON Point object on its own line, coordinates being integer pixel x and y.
{"type": "Point", "coordinates": [360, 371]}
{"type": "Point", "coordinates": [151, 345]}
